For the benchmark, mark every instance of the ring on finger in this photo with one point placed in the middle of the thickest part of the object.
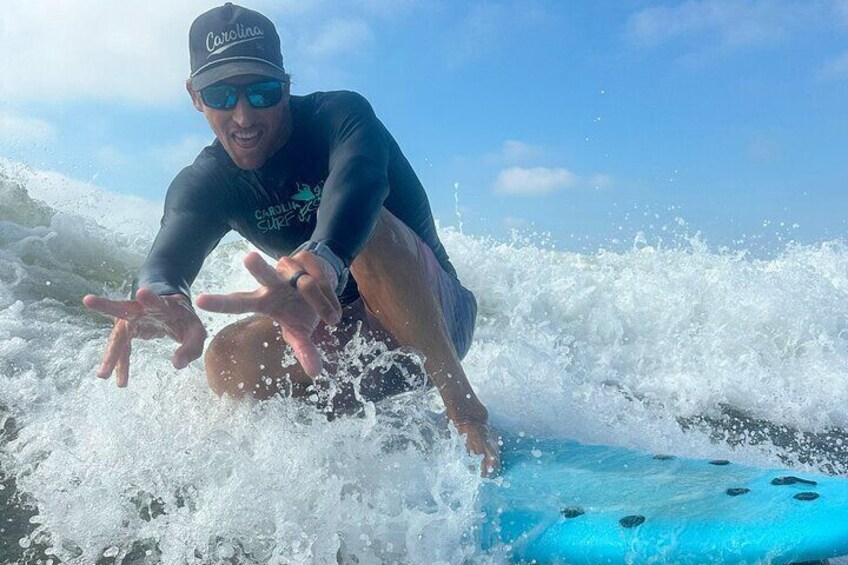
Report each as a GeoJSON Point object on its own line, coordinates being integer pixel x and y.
{"type": "Point", "coordinates": [296, 277]}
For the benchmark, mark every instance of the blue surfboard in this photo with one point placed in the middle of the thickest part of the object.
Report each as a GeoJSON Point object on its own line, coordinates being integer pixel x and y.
{"type": "Point", "coordinates": [558, 501]}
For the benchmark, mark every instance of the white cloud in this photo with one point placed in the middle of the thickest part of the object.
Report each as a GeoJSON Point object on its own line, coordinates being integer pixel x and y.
{"type": "Point", "coordinates": [18, 129]}
{"type": "Point", "coordinates": [534, 181]}
{"type": "Point", "coordinates": [716, 26]}
{"type": "Point", "coordinates": [511, 152]}
{"type": "Point", "coordinates": [601, 181]}
{"type": "Point", "coordinates": [340, 36]}
{"type": "Point", "coordinates": [836, 68]}
{"type": "Point", "coordinates": [136, 52]}
{"type": "Point", "coordinates": [96, 50]}
{"type": "Point", "coordinates": [733, 23]}
{"type": "Point", "coordinates": [514, 151]}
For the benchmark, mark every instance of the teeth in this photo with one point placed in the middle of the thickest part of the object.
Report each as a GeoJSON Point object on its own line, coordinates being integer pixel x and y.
{"type": "Point", "coordinates": [246, 136]}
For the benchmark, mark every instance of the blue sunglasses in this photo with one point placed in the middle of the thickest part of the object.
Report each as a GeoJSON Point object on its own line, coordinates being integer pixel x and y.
{"type": "Point", "coordinates": [223, 96]}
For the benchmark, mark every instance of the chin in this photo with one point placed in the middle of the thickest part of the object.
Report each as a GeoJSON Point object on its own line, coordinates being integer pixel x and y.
{"type": "Point", "coordinates": [247, 162]}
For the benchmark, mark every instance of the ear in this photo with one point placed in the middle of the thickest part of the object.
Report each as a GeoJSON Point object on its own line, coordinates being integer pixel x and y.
{"type": "Point", "coordinates": [195, 96]}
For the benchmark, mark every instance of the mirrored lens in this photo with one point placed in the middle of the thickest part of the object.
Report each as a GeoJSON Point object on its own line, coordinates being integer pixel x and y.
{"type": "Point", "coordinates": [220, 96]}
{"type": "Point", "coordinates": [259, 94]}
{"type": "Point", "coordinates": [264, 94]}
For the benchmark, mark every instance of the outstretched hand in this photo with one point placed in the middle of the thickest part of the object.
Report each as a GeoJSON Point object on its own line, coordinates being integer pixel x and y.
{"type": "Point", "coordinates": [148, 316]}
{"type": "Point", "coordinates": [297, 308]}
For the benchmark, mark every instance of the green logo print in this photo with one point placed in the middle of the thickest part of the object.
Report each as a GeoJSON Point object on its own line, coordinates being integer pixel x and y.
{"type": "Point", "coordinates": [300, 207]}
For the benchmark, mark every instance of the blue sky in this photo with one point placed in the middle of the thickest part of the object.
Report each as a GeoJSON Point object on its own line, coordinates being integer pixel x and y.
{"type": "Point", "coordinates": [589, 120]}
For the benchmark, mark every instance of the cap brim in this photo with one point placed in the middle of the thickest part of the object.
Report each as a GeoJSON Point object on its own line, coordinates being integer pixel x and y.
{"type": "Point", "coordinates": [231, 69]}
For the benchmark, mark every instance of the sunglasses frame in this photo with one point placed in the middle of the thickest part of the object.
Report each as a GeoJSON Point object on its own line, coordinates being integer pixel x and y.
{"type": "Point", "coordinates": [236, 90]}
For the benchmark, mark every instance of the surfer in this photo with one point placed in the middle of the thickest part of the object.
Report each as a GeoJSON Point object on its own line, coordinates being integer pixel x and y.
{"type": "Point", "coordinates": [318, 183]}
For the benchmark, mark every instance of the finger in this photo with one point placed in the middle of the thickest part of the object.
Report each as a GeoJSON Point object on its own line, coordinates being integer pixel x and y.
{"type": "Point", "coordinates": [305, 352]}
{"type": "Point", "coordinates": [191, 347]}
{"type": "Point", "coordinates": [310, 289]}
{"type": "Point", "coordinates": [113, 349]}
{"type": "Point", "coordinates": [492, 460]}
{"type": "Point", "coordinates": [235, 303]}
{"type": "Point", "coordinates": [262, 271]}
{"type": "Point", "coordinates": [490, 467]}
{"type": "Point", "coordinates": [122, 367]}
{"type": "Point", "coordinates": [126, 309]}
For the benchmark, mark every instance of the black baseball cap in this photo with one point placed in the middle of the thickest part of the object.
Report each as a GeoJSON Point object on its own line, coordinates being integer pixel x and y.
{"type": "Point", "coordinates": [230, 40]}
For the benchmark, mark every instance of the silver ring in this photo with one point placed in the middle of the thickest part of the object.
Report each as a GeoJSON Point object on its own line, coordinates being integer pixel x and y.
{"type": "Point", "coordinates": [296, 277]}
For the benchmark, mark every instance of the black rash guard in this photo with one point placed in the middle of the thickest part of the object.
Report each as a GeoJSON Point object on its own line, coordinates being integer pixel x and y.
{"type": "Point", "coordinates": [328, 183]}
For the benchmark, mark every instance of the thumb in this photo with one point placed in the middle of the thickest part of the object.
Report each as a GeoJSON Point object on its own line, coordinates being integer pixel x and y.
{"type": "Point", "coordinates": [191, 347]}
{"type": "Point", "coordinates": [305, 351]}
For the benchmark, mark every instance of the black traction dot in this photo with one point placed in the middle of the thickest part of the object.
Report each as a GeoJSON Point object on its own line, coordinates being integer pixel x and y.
{"type": "Point", "coordinates": [806, 496]}
{"type": "Point", "coordinates": [737, 491]}
{"type": "Point", "coordinates": [572, 512]}
{"type": "Point", "coordinates": [632, 521]}
{"type": "Point", "coordinates": [663, 457]}
{"type": "Point", "coordinates": [783, 481]}
{"type": "Point", "coordinates": [720, 462]}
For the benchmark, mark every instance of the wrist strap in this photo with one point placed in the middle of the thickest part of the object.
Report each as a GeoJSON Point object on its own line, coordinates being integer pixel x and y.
{"type": "Point", "coordinates": [323, 251]}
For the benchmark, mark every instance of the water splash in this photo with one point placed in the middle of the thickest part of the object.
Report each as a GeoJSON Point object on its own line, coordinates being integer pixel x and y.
{"type": "Point", "coordinates": [666, 348]}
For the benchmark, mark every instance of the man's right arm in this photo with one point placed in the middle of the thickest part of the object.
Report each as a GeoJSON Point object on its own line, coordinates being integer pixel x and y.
{"type": "Point", "coordinates": [161, 304]}
{"type": "Point", "coordinates": [192, 226]}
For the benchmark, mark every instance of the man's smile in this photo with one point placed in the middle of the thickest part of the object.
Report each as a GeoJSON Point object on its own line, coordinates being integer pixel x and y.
{"type": "Point", "coordinates": [247, 139]}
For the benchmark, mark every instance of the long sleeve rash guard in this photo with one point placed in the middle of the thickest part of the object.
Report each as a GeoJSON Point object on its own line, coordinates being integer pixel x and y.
{"type": "Point", "coordinates": [327, 183]}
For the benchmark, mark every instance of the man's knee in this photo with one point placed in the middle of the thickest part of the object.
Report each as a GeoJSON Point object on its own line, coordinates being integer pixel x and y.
{"type": "Point", "coordinates": [221, 359]}
{"type": "Point", "coordinates": [236, 353]}
{"type": "Point", "coordinates": [390, 240]}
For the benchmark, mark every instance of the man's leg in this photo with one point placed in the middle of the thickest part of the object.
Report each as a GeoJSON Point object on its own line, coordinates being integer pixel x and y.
{"type": "Point", "coordinates": [393, 282]}
{"type": "Point", "coordinates": [245, 359]}
{"type": "Point", "coordinates": [394, 285]}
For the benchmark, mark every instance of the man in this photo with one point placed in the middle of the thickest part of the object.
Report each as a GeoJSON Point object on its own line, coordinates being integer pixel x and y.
{"type": "Point", "coordinates": [319, 183]}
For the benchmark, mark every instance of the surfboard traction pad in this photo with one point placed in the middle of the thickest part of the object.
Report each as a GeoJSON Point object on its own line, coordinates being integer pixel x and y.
{"type": "Point", "coordinates": [558, 501]}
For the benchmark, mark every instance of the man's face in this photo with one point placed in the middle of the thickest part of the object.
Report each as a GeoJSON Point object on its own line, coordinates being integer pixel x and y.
{"type": "Point", "coordinates": [249, 135]}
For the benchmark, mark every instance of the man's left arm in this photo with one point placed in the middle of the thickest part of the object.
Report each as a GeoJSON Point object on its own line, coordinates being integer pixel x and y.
{"type": "Point", "coordinates": [357, 184]}
{"type": "Point", "coordinates": [351, 203]}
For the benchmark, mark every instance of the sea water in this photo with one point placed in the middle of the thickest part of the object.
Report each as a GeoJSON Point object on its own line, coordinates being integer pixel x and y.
{"type": "Point", "coordinates": [675, 348]}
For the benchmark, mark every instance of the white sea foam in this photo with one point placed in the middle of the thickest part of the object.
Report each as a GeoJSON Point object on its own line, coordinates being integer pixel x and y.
{"type": "Point", "coordinates": [616, 348]}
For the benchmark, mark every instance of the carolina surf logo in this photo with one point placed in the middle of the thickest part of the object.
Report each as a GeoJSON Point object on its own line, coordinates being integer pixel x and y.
{"type": "Point", "coordinates": [300, 207]}
{"type": "Point", "coordinates": [217, 43]}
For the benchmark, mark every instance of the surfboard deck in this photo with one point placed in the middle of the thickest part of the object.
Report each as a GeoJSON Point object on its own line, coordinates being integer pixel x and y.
{"type": "Point", "coordinates": [558, 501]}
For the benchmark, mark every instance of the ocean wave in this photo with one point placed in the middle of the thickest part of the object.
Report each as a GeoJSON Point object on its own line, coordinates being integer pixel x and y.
{"type": "Point", "coordinates": [658, 347]}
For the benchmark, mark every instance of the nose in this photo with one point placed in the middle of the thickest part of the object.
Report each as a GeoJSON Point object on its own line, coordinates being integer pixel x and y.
{"type": "Point", "coordinates": [243, 112]}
